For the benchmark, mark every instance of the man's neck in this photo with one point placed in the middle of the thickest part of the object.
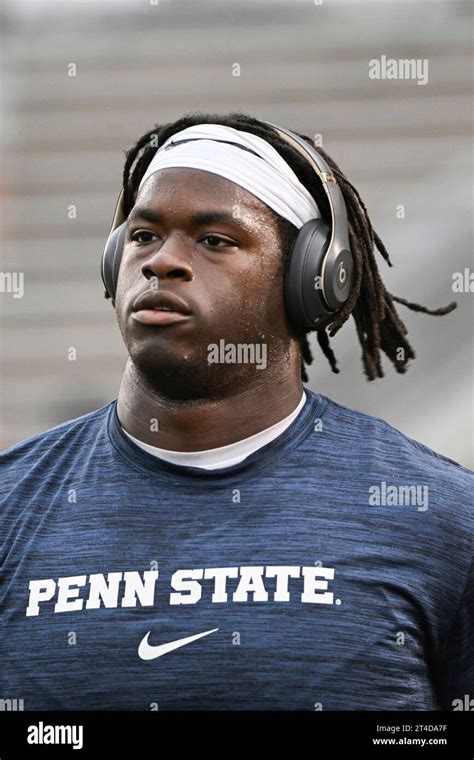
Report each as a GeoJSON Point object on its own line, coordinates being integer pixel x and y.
{"type": "Point", "coordinates": [207, 423]}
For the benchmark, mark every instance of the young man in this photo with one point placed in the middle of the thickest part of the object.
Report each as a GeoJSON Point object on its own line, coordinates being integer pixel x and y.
{"type": "Point", "coordinates": [219, 537]}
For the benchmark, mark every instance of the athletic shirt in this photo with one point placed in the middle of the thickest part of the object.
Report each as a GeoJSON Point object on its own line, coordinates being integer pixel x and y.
{"type": "Point", "coordinates": [222, 456]}
{"type": "Point", "coordinates": [330, 569]}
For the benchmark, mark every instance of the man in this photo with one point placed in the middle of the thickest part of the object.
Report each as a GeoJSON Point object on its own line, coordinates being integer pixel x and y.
{"type": "Point", "coordinates": [219, 537]}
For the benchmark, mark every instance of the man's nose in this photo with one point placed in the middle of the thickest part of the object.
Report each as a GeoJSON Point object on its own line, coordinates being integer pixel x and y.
{"type": "Point", "coordinates": [172, 260]}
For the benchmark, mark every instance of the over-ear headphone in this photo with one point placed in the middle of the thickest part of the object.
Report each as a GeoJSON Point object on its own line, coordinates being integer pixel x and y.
{"type": "Point", "coordinates": [320, 269]}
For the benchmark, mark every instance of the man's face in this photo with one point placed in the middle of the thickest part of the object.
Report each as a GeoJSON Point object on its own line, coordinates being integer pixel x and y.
{"type": "Point", "coordinates": [227, 273]}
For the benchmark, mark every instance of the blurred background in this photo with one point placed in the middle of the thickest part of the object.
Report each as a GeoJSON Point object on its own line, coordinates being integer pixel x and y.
{"type": "Point", "coordinates": [303, 65]}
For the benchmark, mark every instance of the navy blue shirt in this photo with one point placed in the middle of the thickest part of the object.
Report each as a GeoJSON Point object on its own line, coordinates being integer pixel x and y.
{"type": "Point", "coordinates": [331, 569]}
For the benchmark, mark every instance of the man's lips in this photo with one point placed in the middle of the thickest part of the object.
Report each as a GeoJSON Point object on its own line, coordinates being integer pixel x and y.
{"type": "Point", "coordinates": [157, 317]}
{"type": "Point", "coordinates": [158, 307]}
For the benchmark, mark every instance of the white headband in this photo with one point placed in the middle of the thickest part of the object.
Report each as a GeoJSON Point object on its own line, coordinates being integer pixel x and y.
{"type": "Point", "coordinates": [265, 175]}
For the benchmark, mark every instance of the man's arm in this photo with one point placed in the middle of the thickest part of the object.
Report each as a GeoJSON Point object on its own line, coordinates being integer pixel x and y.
{"type": "Point", "coordinates": [455, 674]}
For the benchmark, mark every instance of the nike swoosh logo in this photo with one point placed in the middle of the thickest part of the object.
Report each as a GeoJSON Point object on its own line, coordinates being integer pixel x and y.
{"type": "Point", "coordinates": [148, 652]}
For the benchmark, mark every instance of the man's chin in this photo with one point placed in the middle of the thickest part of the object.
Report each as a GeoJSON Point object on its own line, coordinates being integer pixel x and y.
{"type": "Point", "coordinates": [179, 377]}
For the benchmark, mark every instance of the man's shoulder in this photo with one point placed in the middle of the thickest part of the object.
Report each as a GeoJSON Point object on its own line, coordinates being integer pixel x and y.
{"type": "Point", "coordinates": [30, 450]}
{"type": "Point", "coordinates": [370, 436]}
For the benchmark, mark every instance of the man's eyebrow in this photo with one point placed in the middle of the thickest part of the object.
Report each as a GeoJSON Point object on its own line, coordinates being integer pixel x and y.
{"type": "Point", "coordinates": [199, 217]}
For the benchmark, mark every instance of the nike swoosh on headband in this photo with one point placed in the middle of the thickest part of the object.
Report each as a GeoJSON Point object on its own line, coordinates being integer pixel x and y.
{"type": "Point", "coordinates": [193, 139]}
{"type": "Point", "coordinates": [148, 652]}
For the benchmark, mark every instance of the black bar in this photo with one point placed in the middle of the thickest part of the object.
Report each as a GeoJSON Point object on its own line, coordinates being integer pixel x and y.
{"type": "Point", "coordinates": [398, 734]}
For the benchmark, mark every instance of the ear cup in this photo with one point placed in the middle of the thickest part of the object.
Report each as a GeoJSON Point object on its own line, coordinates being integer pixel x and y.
{"type": "Point", "coordinates": [337, 275]}
{"type": "Point", "coordinates": [111, 259]}
{"type": "Point", "coordinates": [316, 285]}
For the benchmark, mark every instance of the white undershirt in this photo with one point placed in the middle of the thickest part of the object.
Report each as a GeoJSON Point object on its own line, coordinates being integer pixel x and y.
{"type": "Point", "coordinates": [222, 456]}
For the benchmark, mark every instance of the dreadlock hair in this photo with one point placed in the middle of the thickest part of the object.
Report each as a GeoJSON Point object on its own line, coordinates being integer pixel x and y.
{"type": "Point", "coordinates": [379, 328]}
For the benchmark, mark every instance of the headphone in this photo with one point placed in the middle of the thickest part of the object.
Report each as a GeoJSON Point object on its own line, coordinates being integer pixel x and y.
{"type": "Point", "coordinates": [320, 269]}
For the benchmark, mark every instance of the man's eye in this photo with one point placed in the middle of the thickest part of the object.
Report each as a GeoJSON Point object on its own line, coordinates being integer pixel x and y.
{"type": "Point", "coordinates": [135, 236]}
{"type": "Point", "coordinates": [225, 243]}
{"type": "Point", "coordinates": [145, 237]}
